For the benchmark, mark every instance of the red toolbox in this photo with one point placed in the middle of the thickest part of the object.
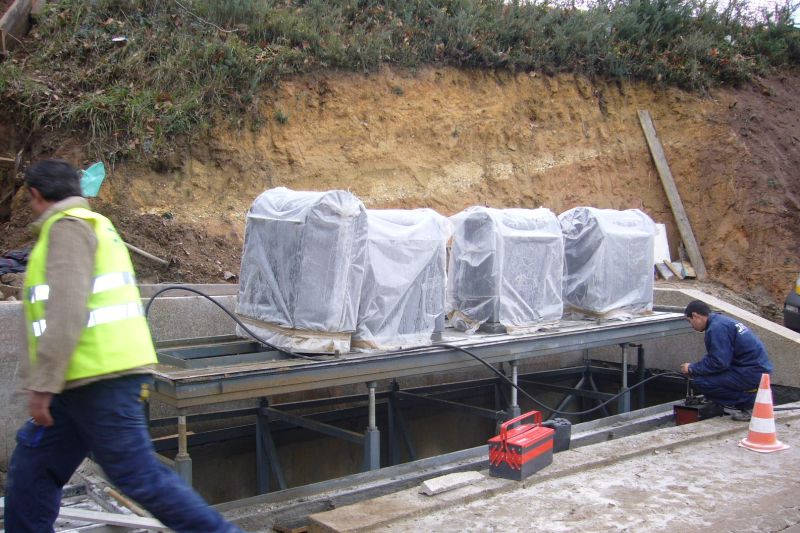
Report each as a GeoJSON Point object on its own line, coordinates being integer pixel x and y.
{"type": "Point", "coordinates": [521, 451]}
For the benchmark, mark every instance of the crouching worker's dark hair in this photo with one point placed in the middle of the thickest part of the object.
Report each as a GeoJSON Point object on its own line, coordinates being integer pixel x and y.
{"type": "Point", "coordinates": [696, 306]}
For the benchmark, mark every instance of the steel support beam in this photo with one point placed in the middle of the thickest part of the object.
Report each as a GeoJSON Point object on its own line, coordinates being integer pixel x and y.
{"type": "Point", "coordinates": [456, 406]}
{"type": "Point", "coordinates": [601, 396]}
{"type": "Point", "coordinates": [266, 453]}
{"type": "Point", "coordinates": [187, 387]}
{"type": "Point", "coordinates": [625, 399]}
{"type": "Point", "coordinates": [313, 425]}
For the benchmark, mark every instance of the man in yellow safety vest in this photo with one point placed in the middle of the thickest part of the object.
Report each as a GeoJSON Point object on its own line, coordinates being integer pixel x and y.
{"type": "Point", "coordinates": [89, 347]}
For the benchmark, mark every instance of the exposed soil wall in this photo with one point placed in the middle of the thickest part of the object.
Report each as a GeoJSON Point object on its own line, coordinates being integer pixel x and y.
{"type": "Point", "coordinates": [447, 139]}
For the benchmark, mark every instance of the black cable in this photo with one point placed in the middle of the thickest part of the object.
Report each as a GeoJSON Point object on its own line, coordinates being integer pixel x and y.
{"type": "Point", "coordinates": [545, 407]}
{"type": "Point", "coordinates": [234, 317]}
{"type": "Point", "coordinates": [451, 346]}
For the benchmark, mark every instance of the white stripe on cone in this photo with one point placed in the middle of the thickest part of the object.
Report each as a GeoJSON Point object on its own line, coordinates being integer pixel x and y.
{"type": "Point", "coordinates": [764, 396]}
{"type": "Point", "coordinates": [762, 425]}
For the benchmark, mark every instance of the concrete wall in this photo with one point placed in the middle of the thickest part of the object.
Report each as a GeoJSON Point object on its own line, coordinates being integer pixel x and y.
{"type": "Point", "coordinates": [13, 346]}
{"type": "Point", "coordinates": [782, 343]}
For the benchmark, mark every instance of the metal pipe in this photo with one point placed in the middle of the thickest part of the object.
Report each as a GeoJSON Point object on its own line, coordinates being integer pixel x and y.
{"type": "Point", "coordinates": [625, 399]}
{"type": "Point", "coordinates": [183, 447]}
{"type": "Point", "coordinates": [371, 386]}
{"type": "Point", "coordinates": [514, 377]}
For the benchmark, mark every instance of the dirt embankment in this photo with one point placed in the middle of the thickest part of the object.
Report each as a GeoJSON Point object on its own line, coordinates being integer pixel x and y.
{"type": "Point", "coordinates": [447, 139]}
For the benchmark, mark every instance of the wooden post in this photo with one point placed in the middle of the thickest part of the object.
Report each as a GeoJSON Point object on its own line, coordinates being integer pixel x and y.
{"type": "Point", "coordinates": [684, 227]}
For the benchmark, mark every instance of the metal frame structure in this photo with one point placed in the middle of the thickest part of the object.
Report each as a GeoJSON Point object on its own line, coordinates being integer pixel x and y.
{"type": "Point", "coordinates": [196, 377]}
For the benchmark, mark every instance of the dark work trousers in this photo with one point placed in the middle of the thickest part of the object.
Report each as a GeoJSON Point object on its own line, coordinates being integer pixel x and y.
{"type": "Point", "coordinates": [729, 388]}
{"type": "Point", "coordinates": [105, 419]}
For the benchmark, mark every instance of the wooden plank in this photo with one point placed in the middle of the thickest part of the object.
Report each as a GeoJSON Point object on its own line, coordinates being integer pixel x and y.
{"type": "Point", "coordinates": [676, 269]}
{"type": "Point", "coordinates": [114, 519]}
{"type": "Point", "coordinates": [684, 226]}
{"type": "Point", "coordinates": [287, 529]}
{"type": "Point", "coordinates": [14, 24]}
{"type": "Point", "coordinates": [101, 517]}
{"type": "Point", "coordinates": [664, 271]}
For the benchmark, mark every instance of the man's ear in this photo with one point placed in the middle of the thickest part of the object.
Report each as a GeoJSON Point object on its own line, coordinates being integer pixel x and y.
{"type": "Point", "coordinates": [35, 194]}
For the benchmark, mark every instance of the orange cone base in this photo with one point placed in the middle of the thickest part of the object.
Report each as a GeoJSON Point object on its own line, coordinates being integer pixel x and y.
{"type": "Point", "coordinates": [763, 448]}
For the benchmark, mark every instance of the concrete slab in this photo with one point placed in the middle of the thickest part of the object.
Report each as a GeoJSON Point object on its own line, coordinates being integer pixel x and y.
{"type": "Point", "coordinates": [440, 484]}
{"type": "Point", "coordinates": [618, 474]}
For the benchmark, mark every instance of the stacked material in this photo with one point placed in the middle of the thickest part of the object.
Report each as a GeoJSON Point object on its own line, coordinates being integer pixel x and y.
{"type": "Point", "coordinates": [506, 267]}
{"type": "Point", "coordinates": [303, 269]}
{"type": "Point", "coordinates": [404, 286]}
{"type": "Point", "coordinates": [609, 262]}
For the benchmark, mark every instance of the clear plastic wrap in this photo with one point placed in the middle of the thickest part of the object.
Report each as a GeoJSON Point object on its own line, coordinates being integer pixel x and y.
{"type": "Point", "coordinates": [303, 269]}
{"type": "Point", "coordinates": [404, 286]}
{"type": "Point", "coordinates": [506, 266]}
{"type": "Point", "coordinates": [609, 262]}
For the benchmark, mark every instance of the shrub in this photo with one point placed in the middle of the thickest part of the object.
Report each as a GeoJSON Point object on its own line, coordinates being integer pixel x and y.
{"type": "Point", "coordinates": [185, 63]}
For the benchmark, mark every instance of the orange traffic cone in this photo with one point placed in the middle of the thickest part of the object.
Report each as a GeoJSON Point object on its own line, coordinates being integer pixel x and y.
{"type": "Point", "coordinates": [761, 437]}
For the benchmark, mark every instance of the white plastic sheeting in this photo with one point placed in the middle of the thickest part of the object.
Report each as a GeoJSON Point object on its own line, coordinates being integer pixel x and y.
{"type": "Point", "coordinates": [609, 262]}
{"type": "Point", "coordinates": [404, 286]}
{"type": "Point", "coordinates": [303, 269]}
{"type": "Point", "coordinates": [506, 266]}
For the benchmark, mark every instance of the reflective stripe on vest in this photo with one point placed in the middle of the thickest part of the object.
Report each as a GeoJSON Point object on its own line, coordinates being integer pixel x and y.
{"type": "Point", "coordinates": [103, 315]}
{"type": "Point", "coordinates": [106, 282]}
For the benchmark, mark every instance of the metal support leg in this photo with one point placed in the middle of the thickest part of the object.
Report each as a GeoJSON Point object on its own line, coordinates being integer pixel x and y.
{"type": "Point", "coordinates": [262, 462]}
{"type": "Point", "coordinates": [640, 370]}
{"type": "Point", "coordinates": [183, 463]}
{"type": "Point", "coordinates": [625, 399]}
{"type": "Point", "coordinates": [513, 409]}
{"type": "Point", "coordinates": [372, 437]}
{"type": "Point", "coordinates": [266, 453]}
{"type": "Point", "coordinates": [394, 430]}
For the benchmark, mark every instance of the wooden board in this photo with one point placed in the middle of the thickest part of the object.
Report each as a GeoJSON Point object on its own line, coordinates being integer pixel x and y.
{"type": "Point", "coordinates": [664, 271]}
{"type": "Point", "coordinates": [113, 519]}
{"type": "Point", "coordinates": [684, 227]}
{"type": "Point", "coordinates": [287, 529]}
{"type": "Point", "coordinates": [676, 268]}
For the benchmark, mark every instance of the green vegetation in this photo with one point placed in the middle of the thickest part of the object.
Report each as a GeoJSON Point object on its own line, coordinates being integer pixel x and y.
{"type": "Point", "coordinates": [135, 75]}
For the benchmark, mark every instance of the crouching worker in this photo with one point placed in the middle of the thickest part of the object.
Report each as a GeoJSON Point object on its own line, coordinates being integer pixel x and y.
{"type": "Point", "coordinates": [88, 348]}
{"type": "Point", "coordinates": [730, 372]}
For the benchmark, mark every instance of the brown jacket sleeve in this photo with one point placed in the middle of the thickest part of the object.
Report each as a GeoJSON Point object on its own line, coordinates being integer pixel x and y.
{"type": "Point", "coordinates": [70, 267]}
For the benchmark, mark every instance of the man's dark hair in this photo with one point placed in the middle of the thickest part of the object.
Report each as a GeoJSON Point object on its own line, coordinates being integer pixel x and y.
{"type": "Point", "coordinates": [696, 306]}
{"type": "Point", "coordinates": [55, 179]}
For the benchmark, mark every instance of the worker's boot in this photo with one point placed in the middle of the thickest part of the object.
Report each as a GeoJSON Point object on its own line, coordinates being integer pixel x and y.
{"type": "Point", "coordinates": [742, 415]}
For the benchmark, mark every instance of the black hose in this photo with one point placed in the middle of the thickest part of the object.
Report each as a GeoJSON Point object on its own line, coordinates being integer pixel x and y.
{"type": "Point", "coordinates": [233, 317]}
{"type": "Point", "coordinates": [545, 407]}
{"type": "Point", "coordinates": [451, 346]}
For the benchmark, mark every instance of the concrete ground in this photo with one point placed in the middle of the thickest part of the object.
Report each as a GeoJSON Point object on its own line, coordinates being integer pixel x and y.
{"type": "Point", "coordinates": [690, 478]}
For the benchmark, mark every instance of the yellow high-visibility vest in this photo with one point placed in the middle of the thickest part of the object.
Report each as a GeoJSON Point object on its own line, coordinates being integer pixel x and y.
{"type": "Point", "coordinates": [116, 336]}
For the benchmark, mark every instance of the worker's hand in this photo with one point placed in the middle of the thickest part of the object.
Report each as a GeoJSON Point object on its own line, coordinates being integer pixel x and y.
{"type": "Point", "coordinates": [39, 407]}
{"type": "Point", "coordinates": [685, 368]}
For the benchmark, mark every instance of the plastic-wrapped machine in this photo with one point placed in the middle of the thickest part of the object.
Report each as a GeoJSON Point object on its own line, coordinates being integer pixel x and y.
{"type": "Point", "coordinates": [404, 286]}
{"type": "Point", "coordinates": [303, 268]}
{"type": "Point", "coordinates": [506, 267]}
{"type": "Point", "coordinates": [609, 262]}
